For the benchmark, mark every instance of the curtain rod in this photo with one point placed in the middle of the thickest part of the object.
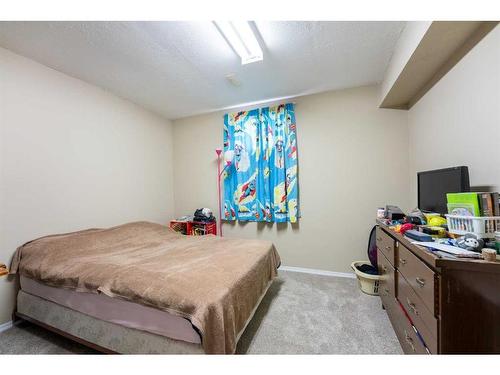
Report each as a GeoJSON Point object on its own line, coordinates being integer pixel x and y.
{"type": "Point", "coordinates": [250, 107]}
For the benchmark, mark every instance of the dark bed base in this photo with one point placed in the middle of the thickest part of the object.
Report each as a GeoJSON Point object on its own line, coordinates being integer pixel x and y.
{"type": "Point", "coordinates": [18, 316]}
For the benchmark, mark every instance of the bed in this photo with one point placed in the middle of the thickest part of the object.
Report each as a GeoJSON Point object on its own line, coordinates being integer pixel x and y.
{"type": "Point", "coordinates": [143, 288]}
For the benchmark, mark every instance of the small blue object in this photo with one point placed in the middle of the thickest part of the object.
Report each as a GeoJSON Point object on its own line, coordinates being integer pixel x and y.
{"type": "Point", "coordinates": [418, 236]}
{"type": "Point", "coordinates": [447, 241]}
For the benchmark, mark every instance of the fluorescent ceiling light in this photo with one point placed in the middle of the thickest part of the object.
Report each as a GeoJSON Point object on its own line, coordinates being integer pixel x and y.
{"type": "Point", "coordinates": [240, 36]}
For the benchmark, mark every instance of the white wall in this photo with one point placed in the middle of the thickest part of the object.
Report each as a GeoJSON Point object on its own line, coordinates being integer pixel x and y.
{"type": "Point", "coordinates": [73, 156]}
{"type": "Point", "coordinates": [458, 121]}
{"type": "Point", "coordinates": [353, 158]}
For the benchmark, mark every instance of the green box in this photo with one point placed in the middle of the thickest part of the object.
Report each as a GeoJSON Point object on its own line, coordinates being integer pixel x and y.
{"type": "Point", "coordinates": [465, 198]}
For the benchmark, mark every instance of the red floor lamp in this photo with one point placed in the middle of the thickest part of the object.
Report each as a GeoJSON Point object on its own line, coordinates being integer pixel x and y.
{"type": "Point", "coordinates": [218, 151]}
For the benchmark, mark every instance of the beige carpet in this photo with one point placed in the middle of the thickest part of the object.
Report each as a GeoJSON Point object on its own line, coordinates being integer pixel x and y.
{"type": "Point", "coordinates": [301, 314]}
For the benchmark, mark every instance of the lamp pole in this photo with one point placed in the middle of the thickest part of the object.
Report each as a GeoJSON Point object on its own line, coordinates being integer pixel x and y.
{"type": "Point", "coordinates": [218, 151]}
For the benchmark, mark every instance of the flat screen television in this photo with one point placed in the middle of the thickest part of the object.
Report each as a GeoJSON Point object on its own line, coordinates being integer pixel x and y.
{"type": "Point", "coordinates": [433, 186]}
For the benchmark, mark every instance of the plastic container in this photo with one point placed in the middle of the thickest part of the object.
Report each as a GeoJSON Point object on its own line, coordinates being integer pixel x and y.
{"type": "Point", "coordinates": [367, 283]}
{"type": "Point", "coordinates": [481, 226]}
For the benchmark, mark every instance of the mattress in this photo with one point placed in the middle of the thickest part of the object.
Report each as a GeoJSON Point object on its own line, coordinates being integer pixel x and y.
{"type": "Point", "coordinates": [124, 313]}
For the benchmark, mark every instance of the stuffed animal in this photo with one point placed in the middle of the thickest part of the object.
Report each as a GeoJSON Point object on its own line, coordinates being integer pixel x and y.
{"type": "Point", "coordinates": [470, 242]}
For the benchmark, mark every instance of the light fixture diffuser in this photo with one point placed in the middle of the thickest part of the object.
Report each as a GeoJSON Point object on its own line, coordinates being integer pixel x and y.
{"type": "Point", "coordinates": [240, 36]}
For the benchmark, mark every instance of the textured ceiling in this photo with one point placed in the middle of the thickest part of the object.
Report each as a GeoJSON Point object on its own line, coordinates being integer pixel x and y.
{"type": "Point", "coordinates": [178, 69]}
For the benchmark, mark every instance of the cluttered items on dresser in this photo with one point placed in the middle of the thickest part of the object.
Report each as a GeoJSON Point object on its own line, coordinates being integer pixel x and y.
{"type": "Point", "coordinates": [449, 236]}
{"type": "Point", "coordinates": [450, 219]}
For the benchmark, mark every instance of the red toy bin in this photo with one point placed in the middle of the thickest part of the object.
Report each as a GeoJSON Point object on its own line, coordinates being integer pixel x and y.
{"type": "Point", "coordinates": [196, 228]}
{"type": "Point", "coordinates": [193, 228]}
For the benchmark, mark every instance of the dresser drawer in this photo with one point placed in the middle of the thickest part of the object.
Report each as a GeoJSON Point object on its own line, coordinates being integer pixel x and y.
{"type": "Point", "coordinates": [407, 337]}
{"type": "Point", "coordinates": [386, 245]}
{"type": "Point", "coordinates": [409, 341]}
{"type": "Point", "coordinates": [422, 318]}
{"type": "Point", "coordinates": [418, 275]}
{"type": "Point", "coordinates": [387, 272]}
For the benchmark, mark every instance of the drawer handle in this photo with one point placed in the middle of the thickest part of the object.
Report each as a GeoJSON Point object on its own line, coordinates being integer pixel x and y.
{"type": "Point", "coordinates": [388, 248]}
{"type": "Point", "coordinates": [402, 261]}
{"type": "Point", "coordinates": [420, 282]}
{"type": "Point", "coordinates": [412, 306]}
{"type": "Point", "coordinates": [384, 268]}
{"type": "Point", "coordinates": [409, 340]}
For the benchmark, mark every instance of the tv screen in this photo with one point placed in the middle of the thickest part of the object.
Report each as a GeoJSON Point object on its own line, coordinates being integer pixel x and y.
{"type": "Point", "coordinates": [433, 186]}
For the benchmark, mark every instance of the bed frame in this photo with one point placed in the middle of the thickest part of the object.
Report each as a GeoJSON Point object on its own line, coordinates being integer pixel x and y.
{"type": "Point", "coordinates": [104, 337]}
{"type": "Point", "coordinates": [18, 317]}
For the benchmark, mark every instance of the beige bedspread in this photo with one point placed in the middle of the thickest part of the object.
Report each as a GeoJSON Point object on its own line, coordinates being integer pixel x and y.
{"type": "Point", "coordinates": [212, 281]}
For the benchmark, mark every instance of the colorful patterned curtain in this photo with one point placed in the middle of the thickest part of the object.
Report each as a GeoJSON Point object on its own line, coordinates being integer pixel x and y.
{"type": "Point", "coordinates": [261, 182]}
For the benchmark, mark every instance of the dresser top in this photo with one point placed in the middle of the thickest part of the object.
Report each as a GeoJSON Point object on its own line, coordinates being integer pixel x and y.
{"type": "Point", "coordinates": [436, 262]}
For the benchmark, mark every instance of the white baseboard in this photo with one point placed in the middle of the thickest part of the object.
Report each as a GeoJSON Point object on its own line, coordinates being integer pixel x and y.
{"type": "Point", "coordinates": [6, 326]}
{"type": "Point", "coordinates": [313, 271]}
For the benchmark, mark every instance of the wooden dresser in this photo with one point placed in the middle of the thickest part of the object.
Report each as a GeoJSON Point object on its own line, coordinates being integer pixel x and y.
{"type": "Point", "coordinates": [454, 304]}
